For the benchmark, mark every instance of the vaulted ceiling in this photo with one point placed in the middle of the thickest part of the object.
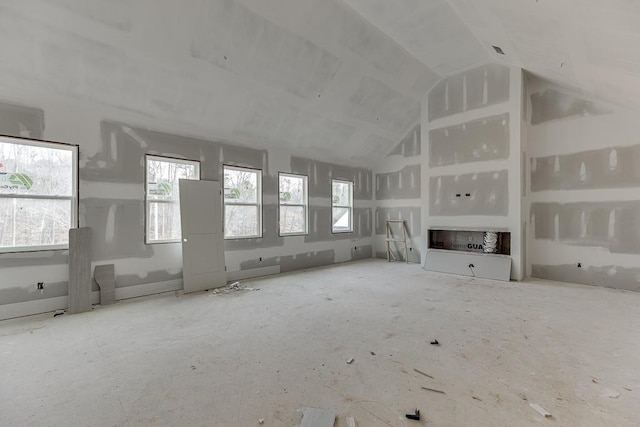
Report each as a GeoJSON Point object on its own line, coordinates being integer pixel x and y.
{"type": "Point", "coordinates": [591, 46]}
{"type": "Point", "coordinates": [338, 79]}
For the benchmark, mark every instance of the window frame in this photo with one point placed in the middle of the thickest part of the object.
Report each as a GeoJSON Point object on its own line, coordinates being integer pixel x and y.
{"type": "Point", "coordinates": [258, 204]}
{"type": "Point", "coordinates": [75, 190]}
{"type": "Point", "coordinates": [305, 205]}
{"type": "Point", "coordinates": [350, 206]}
{"type": "Point", "coordinates": [147, 202]}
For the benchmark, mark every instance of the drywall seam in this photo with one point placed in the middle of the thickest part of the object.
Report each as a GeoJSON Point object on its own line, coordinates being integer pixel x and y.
{"type": "Point", "coordinates": [472, 89]}
{"type": "Point", "coordinates": [478, 140]}
{"type": "Point", "coordinates": [483, 193]}
{"type": "Point", "coordinates": [612, 167]}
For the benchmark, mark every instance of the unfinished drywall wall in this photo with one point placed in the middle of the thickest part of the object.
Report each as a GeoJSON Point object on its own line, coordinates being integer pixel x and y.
{"type": "Point", "coordinates": [611, 167]}
{"type": "Point", "coordinates": [112, 175]}
{"type": "Point", "coordinates": [21, 121]}
{"type": "Point", "coordinates": [552, 104]}
{"type": "Point", "coordinates": [398, 192]}
{"type": "Point", "coordinates": [483, 193]}
{"type": "Point", "coordinates": [612, 225]}
{"type": "Point", "coordinates": [472, 167]}
{"type": "Point", "coordinates": [476, 88]}
{"type": "Point", "coordinates": [402, 184]}
{"type": "Point", "coordinates": [475, 141]}
{"type": "Point", "coordinates": [584, 189]}
{"type": "Point", "coordinates": [410, 145]}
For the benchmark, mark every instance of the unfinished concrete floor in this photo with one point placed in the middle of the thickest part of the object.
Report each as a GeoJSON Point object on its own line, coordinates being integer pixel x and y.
{"type": "Point", "coordinates": [231, 359]}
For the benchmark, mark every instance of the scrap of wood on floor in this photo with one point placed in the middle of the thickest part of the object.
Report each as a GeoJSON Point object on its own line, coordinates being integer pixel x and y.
{"type": "Point", "coordinates": [313, 417]}
{"type": "Point", "coordinates": [539, 409]}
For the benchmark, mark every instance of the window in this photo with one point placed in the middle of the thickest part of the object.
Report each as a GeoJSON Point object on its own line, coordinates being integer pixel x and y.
{"type": "Point", "coordinates": [294, 202]}
{"type": "Point", "coordinates": [163, 196]}
{"type": "Point", "coordinates": [242, 202]}
{"type": "Point", "coordinates": [341, 206]}
{"type": "Point", "coordinates": [38, 194]}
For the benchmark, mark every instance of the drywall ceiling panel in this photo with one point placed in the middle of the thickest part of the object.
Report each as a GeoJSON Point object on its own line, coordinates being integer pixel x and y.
{"type": "Point", "coordinates": [300, 74]}
{"type": "Point", "coordinates": [429, 30]}
{"type": "Point", "coordinates": [588, 45]}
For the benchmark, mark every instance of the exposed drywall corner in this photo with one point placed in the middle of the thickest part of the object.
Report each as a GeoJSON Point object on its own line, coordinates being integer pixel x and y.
{"type": "Point", "coordinates": [402, 184]}
{"type": "Point", "coordinates": [410, 146]}
{"type": "Point", "coordinates": [398, 192]}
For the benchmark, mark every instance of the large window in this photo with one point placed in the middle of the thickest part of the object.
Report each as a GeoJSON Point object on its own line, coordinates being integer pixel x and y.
{"type": "Point", "coordinates": [341, 206]}
{"type": "Point", "coordinates": [293, 203]}
{"type": "Point", "coordinates": [38, 194]}
{"type": "Point", "coordinates": [242, 202]}
{"type": "Point", "coordinates": [163, 196]}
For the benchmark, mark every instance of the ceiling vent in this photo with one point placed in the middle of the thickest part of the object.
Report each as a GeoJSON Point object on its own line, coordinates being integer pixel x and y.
{"type": "Point", "coordinates": [498, 50]}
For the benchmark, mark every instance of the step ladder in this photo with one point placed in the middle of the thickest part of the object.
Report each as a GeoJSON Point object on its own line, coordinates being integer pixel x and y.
{"type": "Point", "coordinates": [392, 239]}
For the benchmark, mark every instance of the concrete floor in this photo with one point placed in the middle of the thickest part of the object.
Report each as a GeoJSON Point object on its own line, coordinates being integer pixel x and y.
{"type": "Point", "coordinates": [231, 359]}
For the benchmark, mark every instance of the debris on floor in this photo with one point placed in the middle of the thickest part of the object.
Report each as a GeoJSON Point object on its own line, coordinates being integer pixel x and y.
{"type": "Point", "coordinates": [539, 409]}
{"type": "Point", "coordinates": [433, 389]}
{"type": "Point", "coordinates": [611, 394]}
{"type": "Point", "coordinates": [350, 361]}
{"type": "Point", "coordinates": [415, 415]}
{"type": "Point", "coordinates": [422, 373]}
{"type": "Point", "coordinates": [313, 417]}
{"type": "Point", "coordinates": [351, 422]}
{"type": "Point", "coordinates": [476, 398]}
{"type": "Point", "coordinates": [233, 287]}
{"type": "Point", "coordinates": [435, 342]}
{"type": "Point", "coordinates": [261, 421]}
{"type": "Point", "coordinates": [372, 353]}
{"type": "Point", "coordinates": [58, 313]}
{"type": "Point", "coordinates": [523, 396]}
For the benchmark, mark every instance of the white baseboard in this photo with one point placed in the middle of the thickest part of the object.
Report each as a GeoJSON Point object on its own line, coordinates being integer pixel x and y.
{"type": "Point", "coordinates": [46, 305]}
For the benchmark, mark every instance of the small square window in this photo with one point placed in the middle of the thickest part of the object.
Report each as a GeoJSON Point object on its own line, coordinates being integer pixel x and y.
{"type": "Point", "coordinates": [341, 206]}
{"type": "Point", "coordinates": [293, 204]}
{"type": "Point", "coordinates": [242, 202]}
{"type": "Point", "coordinates": [162, 196]}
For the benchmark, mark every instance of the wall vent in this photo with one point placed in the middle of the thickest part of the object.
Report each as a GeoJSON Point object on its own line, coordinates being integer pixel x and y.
{"type": "Point", "coordinates": [498, 50]}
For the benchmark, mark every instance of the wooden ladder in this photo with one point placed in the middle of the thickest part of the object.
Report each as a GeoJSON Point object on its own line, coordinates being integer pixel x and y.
{"type": "Point", "coordinates": [390, 238]}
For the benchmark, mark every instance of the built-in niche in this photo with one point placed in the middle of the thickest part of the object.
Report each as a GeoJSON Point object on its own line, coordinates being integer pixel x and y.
{"type": "Point", "coordinates": [471, 240]}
